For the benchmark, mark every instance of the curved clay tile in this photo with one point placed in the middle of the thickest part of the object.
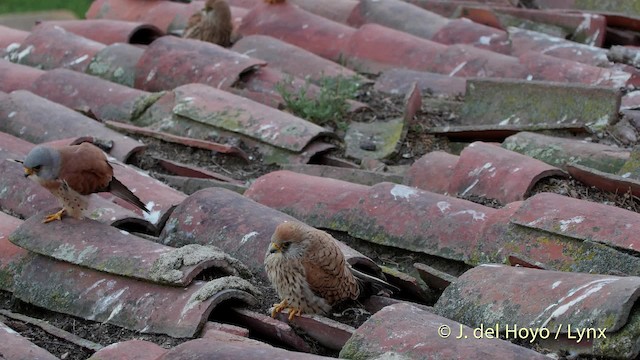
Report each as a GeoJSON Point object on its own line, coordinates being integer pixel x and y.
{"type": "Point", "coordinates": [398, 81]}
{"type": "Point", "coordinates": [111, 31]}
{"type": "Point", "coordinates": [465, 31]}
{"type": "Point", "coordinates": [17, 77]}
{"type": "Point", "coordinates": [132, 304]}
{"type": "Point", "coordinates": [10, 255]}
{"type": "Point", "coordinates": [50, 47]}
{"type": "Point", "coordinates": [10, 38]}
{"type": "Point", "coordinates": [413, 338]}
{"type": "Point", "coordinates": [15, 346]}
{"type": "Point", "coordinates": [223, 350]}
{"type": "Point", "coordinates": [116, 63]}
{"type": "Point", "coordinates": [561, 302]}
{"type": "Point", "coordinates": [337, 10]}
{"type": "Point", "coordinates": [130, 349]}
{"type": "Point", "coordinates": [432, 172]}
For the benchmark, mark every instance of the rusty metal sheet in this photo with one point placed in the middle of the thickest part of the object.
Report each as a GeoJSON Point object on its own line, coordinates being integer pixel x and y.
{"type": "Point", "coordinates": [401, 50]}
{"type": "Point", "coordinates": [561, 151]}
{"type": "Point", "coordinates": [165, 15]}
{"type": "Point", "coordinates": [523, 40]}
{"type": "Point", "coordinates": [398, 81]}
{"type": "Point", "coordinates": [124, 254]}
{"type": "Point", "coordinates": [14, 346]}
{"type": "Point", "coordinates": [581, 219]}
{"type": "Point", "coordinates": [416, 336]}
{"type": "Point", "coordinates": [101, 98]}
{"type": "Point", "coordinates": [505, 295]}
{"type": "Point", "coordinates": [432, 172]}
{"type": "Point", "coordinates": [50, 47]}
{"type": "Point", "coordinates": [116, 63]}
{"type": "Point", "coordinates": [296, 26]}
{"type": "Point", "coordinates": [269, 328]}
{"type": "Point", "coordinates": [130, 350]}
{"type": "Point", "coordinates": [220, 110]}
{"type": "Point", "coordinates": [243, 228]}
{"type": "Point", "coordinates": [327, 332]}
{"type": "Point", "coordinates": [546, 67]}
{"type": "Point", "coordinates": [108, 31]}
{"type": "Point", "coordinates": [223, 350]}
{"type": "Point", "coordinates": [11, 256]}
{"type": "Point", "coordinates": [39, 120]}
{"type": "Point", "coordinates": [297, 62]}
{"type": "Point", "coordinates": [16, 77]}
{"type": "Point", "coordinates": [502, 102]}
{"type": "Point", "coordinates": [604, 181]}
{"type": "Point", "coordinates": [426, 222]}
{"type": "Point", "coordinates": [465, 31]}
{"type": "Point", "coordinates": [398, 15]}
{"type": "Point", "coordinates": [482, 168]}
{"type": "Point", "coordinates": [132, 304]}
{"type": "Point", "coordinates": [169, 62]}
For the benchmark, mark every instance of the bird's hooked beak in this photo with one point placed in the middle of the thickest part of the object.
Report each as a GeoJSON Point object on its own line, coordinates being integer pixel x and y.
{"type": "Point", "coordinates": [28, 172]}
{"type": "Point", "coordinates": [273, 247]}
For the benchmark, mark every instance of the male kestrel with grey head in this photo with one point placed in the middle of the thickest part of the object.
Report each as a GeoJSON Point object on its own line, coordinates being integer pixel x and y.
{"type": "Point", "coordinates": [71, 172]}
{"type": "Point", "coordinates": [309, 271]}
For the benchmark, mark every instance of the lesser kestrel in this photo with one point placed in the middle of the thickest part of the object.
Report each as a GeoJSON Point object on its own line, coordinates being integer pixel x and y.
{"type": "Point", "coordinates": [309, 271]}
{"type": "Point", "coordinates": [71, 172]}
{"type": "Point", "coordinates": [212, 24]}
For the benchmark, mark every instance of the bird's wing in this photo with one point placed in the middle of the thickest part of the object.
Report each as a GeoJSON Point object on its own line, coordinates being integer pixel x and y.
{"type": "Point", "coordinates": [326, 269]}
{"type": "Point", "coordinates": [85, 168]}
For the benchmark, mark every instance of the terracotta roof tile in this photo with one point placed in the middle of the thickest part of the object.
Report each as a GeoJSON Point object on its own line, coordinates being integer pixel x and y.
{"type": "Point", "coordinates": [549, 299]}
{"type": "Point", "coordinates": [17, 77]}
{"type": "Point", "coordinates": [111, 31]}
{"type": "Point", "coordinates": [408, 323]}
{"type": "Point", "coordinates": [398, 81]}
{"type": "Point", "coordinates": [228, 328]}
{"type": "Point", "coordinates": [116, 63]}
{"type": "Point", "coordinates": [15, 346]}
{"type": "Point", "coordinates": [269, 328]}
{"type": "Point", "coordinates": [129, 350]}
{"type": "Point", "coordinates": [617, 184]}
{"type": "Point", "coordinates": [327, 332]}
{"type": "Point", "coordinates": [203, 348]}
{"type": "Point", "coordinates": [10, 255]}
{"type": "Point", "coordinates": [338, 11]}
{"type": "Point", "coordinates": [10, 38]}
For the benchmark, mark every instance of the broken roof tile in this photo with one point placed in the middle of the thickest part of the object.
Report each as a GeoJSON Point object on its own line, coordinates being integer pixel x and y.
{"type": "Point", "coordinates": [16, 347]}
{"type": "Point", "coordinates": [559, 151]}
{"type": "Point", "coordinates": [124, 254]}
{"type": "Point", "coordinates": [193, 171]}
{"type": "Point", "coordinates": [298, 62]}
{"type": "Point", "coordinates": [132, 304]}
{"type": "Point", "coordinates": [50, 47]}
{"type": "Point", "coordinates": [416, 336]}
{"type": "Point", "coordinates": [327, 332]}
{"type": "Point", "coordinates": [223, 350]}
{"type": "Point", "coordinates": [130, 350]}
{"type": "Point", "coordinates": [243, 228]}
{"type": "Point", "coordinates": [503, 102]}
{"type": "Point", "coordinates": [17, 77]}
{"type": "Point", "coordinates": [480, 171]}
{"type": "Point", "coordinates": [612, 183]}
{"type": "Point", "coordinates": [352, 175]}
{"type": "Point", "coordinates": [296, 26]}
{"type": "Point", "coordinates": [557, 301]}
{"type": "Point", "coordinates": [269, 328]}
{"type": "Point", "coordinates": [432, 172]}
{"type": "Point", "coordinates": [201, 111]}
{"type": "Point", "coordinates": [228, 328]}
{"type": "Point", "coordinates": [434, 278]}
{"type": "Point", "coordinates": [39, 120]}
{"type": "Point", "coordinates": [11, 256]}
{"type": "Point", "coordinates": [398, 81]}
{"type": "Point", "coordinates": [109, 31]}
{"type": "Point", "coordinates": [190, 185]}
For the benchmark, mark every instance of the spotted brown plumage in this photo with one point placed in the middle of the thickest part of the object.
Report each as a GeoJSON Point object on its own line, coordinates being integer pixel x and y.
{"type": "Point", "coordinates": [212, 24]}
{"type": "Point", "coordinates": [71, 172]}
{"type": "Point", "coordinates": [308, 270]}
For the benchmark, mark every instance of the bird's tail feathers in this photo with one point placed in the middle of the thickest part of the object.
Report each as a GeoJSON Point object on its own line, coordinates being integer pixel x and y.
{"type": "Point", "coordinates": [373, 285]}
{"type": "Point", "coordinates": [120, 190]}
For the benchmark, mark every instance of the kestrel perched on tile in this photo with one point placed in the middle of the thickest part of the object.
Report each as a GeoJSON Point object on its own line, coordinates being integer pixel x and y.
{"type": "Point", "coordinates": [71, 172]}
{"type": "Point", "coordinates": [309, 271]}
{"type": "Point", "coordinates": [212, 24]}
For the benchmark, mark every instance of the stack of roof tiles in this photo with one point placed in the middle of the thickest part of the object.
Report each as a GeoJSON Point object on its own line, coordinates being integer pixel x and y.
{"type": "Point", "coordinates": [520, 70]}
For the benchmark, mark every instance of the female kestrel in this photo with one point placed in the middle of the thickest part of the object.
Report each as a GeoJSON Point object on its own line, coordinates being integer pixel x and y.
{"type": "Point", "coordinates": [70, 172]}
{"type": "Point", "coordinates": [309, 271]}
{"type": "Point", "coordinates": [212, 24]}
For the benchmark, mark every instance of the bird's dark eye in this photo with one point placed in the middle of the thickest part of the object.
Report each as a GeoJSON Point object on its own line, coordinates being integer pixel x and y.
{"type": "Point", "coordinates": [286, 244]}
{"type": "Point", "coordinates": [37, 167]}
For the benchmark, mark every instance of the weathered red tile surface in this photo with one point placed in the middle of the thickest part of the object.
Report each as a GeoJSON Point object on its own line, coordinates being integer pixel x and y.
{"type": "Point", "coordinates": [11, 38]}
{"type": "Point", "coordinates": [269, 328]}
{"type": "Point", "coordinates": [489, 171]}
{"type": "Point", "coordinates": [16, 347]}
{"type": "Point", "coordinates": [432, 172]}
{"type": "Point", "coordinates": [357, 176]}
{"type": "Point", "coordinates": [559, 151]}
{"type": "Point", "coordinates": [11, 256]}
{"type": "Point", "coordinates": [411, 333]}
{"type": "Point", "coordinates": [193, 171]}
{"type": "Point", "coordinates": [398, 81]}
{"type": "Point", "coordinates": [297, 62]}
{"type": "Point", "coordinates": [116, 63]}
{"type": "Point", "coordinates": [132, 304]}
{"type": "Point", "coordinates": [338, 11]}
{"type": "Point", "coordinates": [228, 328]}
{"type": "Point", "coordinates": [206, 349]}
{"type": "Point", "coordinates": [464, 31]}
{"type": "Point", "coordinates": [129, 350]}
{"type": "Point", "coordinates": [604, 181]}
{"type": "Point", "coordinates": [243, 228]}
{"type": "Point", "coordinates": [292, 24]}
{"type": "Point", "coordinates": [50, 47]}
{"type": "Point", "coordinates": [111, 31]}
{"type": "Point", "coordinates": [494, 294]}
{"type": "Point", "coordinates": [327, 332]}
{"type": "Point", "coordinates": [434, 278]}
{"type": "Point", "coordinates": [123, 254]}
{"type": "Point", "coordinates": [16, 77]}
{"type": "Point", "coordinates": [581, 219]}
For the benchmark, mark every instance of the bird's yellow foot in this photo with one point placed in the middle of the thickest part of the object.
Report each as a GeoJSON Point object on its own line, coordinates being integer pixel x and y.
{"type": "Point", "coordinates": [278, 307]}
{"type": "Point", "coordinates": [54, 216]}
{"type": "Point", "coordinates": [293, 312]}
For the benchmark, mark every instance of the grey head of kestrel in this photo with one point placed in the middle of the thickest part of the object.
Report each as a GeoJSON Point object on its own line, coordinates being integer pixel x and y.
{"type": "Point", "coordinates": [71, 172]}
{"type": "Point", "coordinates": [309, 272]}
